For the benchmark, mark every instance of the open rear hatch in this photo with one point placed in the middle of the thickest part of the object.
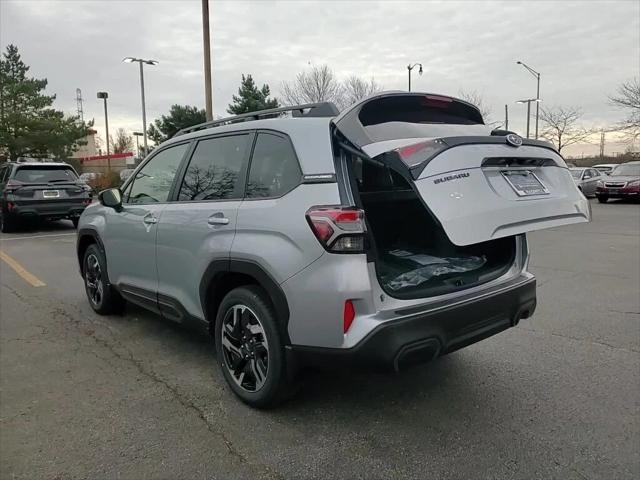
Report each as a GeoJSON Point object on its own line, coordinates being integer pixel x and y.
{"type": "Point", "coordinates": [479, 187]}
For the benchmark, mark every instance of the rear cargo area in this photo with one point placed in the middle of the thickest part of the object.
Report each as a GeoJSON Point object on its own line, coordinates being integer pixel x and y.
{"type": "Point", "coordinates": [413, 256]}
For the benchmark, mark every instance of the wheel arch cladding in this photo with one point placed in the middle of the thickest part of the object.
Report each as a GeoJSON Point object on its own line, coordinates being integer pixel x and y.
{"type": "Point", "coordinates": [86, 237]}
{"type": "Point", "coordinates": [222, 276]}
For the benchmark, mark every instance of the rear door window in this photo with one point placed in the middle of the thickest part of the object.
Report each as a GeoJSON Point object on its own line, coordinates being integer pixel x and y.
{"type": "Point", "coordinates": [274, 167]}
{"type": "Point", "coordinates": [215, 169]}
{"type": "Point", "coordinates": [153, 182]}
{"type": "Point", "coordinates": [39, 174]}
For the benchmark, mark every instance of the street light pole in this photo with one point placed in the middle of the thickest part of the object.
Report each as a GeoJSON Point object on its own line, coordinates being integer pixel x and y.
{"type": "Point", "coordinates": [528, 102]}
{"type": "Point", "coordinates": [411, 67]}
{"type": "Point", "coordinates": [104, 96]}
{"type": "Point", "coordinates": [144, 110]}
{"type": "Point", "coordinates": [537, 75]}
{"type": "Point", "coordinates": [137, 135]}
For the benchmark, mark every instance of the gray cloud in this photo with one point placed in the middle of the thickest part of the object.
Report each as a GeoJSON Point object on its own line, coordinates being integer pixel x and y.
{"type": "Point", "coordinates": [583, 49]}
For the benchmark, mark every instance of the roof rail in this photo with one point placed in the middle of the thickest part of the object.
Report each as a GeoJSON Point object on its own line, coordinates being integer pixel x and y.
{"type": "Point", "coordinates": [322, 109]}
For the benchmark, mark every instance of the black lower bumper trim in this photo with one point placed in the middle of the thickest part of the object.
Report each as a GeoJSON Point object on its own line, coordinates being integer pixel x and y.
{"type": "Point", "coordinates": [424, 336]}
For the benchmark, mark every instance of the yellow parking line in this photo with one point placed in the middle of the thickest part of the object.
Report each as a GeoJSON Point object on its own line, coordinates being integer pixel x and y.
{"type": "Point", "coordinates": [27, 276]}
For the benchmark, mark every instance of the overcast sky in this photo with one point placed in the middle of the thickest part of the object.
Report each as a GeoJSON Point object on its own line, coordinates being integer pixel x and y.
{"type": "Point", "coordinates": [582, 49]}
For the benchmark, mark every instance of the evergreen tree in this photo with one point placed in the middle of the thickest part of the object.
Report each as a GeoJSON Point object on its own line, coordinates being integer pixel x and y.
{"type": "Point", "coordinates": [250, 98]}
{"type": "Point", "coordinates": [180, 116]}
{"type": "Point", "coordinates": [29, 126]}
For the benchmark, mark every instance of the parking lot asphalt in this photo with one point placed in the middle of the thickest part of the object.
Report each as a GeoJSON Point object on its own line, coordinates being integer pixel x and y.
{"type": "Point", "coordinates": [133, 396]}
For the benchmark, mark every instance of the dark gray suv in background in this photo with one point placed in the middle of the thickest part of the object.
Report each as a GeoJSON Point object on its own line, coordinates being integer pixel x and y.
{"type": "Point", "coordinates": [40, 190]}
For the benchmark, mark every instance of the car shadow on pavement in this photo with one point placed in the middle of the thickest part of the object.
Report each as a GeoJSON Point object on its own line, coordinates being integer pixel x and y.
{"type": "Point", "coordinates": [43, 226]}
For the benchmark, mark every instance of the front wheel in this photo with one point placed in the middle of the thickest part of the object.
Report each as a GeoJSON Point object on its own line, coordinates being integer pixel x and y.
{"type": "Point", "coordinates": [603, 199]}
{"type": "Point", "coordinates": [249, 348]}
{"type": "Point", "coordinates": [102, 298]}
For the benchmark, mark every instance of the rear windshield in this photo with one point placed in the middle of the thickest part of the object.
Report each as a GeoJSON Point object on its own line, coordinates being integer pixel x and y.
{"type": "Point", "coordinates": [45, 174]}
{"type": "Point", "coordinates": [401, 116]}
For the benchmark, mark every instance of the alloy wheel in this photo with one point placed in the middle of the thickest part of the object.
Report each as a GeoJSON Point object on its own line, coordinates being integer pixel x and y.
{"type": "Point", "coordinates": [245, 349]}
{"type": "Point", "coordinates": [93, 279]}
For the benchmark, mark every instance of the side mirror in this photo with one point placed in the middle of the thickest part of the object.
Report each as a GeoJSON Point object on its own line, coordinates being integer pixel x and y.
{"type": "Point", "coordinates": [112, 197]}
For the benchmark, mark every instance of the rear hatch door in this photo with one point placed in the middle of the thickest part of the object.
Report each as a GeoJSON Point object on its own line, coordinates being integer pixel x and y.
{"type": "Point", "coordinates": [478, 186]}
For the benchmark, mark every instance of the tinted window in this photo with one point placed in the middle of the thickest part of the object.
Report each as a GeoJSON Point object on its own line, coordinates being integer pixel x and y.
{"type": "Point", "coordinates": [274, 167]}
{"type": "Point", "coordinates": [4, 173]}
{"type": "Point", "coordinates": [45, 174]}
{"type": "Point", "coordinates": [153, 182]}
{"type": "Point", "coordinates": [214, 170]}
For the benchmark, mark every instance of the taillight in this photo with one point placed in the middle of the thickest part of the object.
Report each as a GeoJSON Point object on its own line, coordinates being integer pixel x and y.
{"type": "Point", "coordinates": [416, 153]}
{"type": "Point", "coordinates": [338, 229]}
{"type": "Point", "coordinates": [348, 315]}
{"type": "Point", "coordinates": [12, 186]}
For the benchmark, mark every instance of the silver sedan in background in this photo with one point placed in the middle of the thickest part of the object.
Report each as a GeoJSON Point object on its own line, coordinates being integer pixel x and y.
{"type": "Point", "coordinates": [586, 179]}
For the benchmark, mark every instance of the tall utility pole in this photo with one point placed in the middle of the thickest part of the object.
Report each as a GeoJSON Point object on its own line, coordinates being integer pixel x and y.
{"type": "Point", "coordinates": [602, 145]}
{"type": "Point", "coordinates": [104, 96]}
{"type": "Point", "coordinates": [506, 117]}
{"type": "Point", "coordinates": [79, 104]}
{"type": "Point", "coordinates": [207, 60]}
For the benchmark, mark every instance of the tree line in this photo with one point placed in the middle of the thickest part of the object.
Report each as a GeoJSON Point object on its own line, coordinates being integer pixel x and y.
{"type": "Point", "coordinates": [30, 126]}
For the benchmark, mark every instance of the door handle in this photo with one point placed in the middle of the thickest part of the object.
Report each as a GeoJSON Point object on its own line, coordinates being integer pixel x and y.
{"type": "Point", "coordinates": [218, 218]}
{"type": "Point", "coordinates": [150, 219]}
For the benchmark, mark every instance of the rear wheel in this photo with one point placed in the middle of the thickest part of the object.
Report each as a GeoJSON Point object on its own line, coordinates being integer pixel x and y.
{"type": "Point", "coordinates": [249, 348]}
{"type": "Point", "coordinates": [603, 199]}
{"type": "Point", "coordinates": [7, 225]}
{"type": "Point", "coordinates": [102, 298]}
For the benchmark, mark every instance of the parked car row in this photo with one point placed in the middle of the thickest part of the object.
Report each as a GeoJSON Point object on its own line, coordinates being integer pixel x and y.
{"type": "Point", "coordinates": [622, 181]}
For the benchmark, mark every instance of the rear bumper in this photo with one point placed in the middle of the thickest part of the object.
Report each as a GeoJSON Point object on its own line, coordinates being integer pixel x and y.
{"type": "Point", "coordinates": [423, 336]}
{"type": "Point", "coordinates": [46, 210]}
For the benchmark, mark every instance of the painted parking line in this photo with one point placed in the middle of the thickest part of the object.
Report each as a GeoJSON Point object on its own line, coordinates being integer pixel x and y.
{"type": "Point", "coordinates": [29, 237]}
{"type": "Point", "coordinates": [27, 276]}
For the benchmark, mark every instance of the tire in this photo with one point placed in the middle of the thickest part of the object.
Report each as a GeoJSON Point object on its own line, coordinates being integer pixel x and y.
{"type": "Point", "coordinates": [75, 221]}
{"type": "Point", "coordinates": [603, 199]}
{"type": "Point", "coordinates": [102, 297]}
{"type": "Point", "coordinates": [6, 225]}
{"type": "Point", "coordinates": [251, 329]}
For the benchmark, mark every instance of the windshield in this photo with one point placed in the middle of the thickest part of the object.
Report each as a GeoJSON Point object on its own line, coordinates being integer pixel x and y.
{"type": "Point", "coordinates": [45, 174]}
{"type": "Point", "coordinates": [632, 170]}
{"type": "Point", "coordinates": [576, 174]}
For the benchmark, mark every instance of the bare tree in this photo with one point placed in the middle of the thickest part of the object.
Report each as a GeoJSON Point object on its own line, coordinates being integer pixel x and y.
{"type": "Point", "coordinates": [475, 98]}
{"type": "Point", "coordinates": [121, 142]}
{"type": "Point", "coordinates": [628, 98]}
{"type": "Point", "coordinates": [317, 85]}
{"type": "Point", "coordinates": [561, 126]}
{"type": "Point", "coordinates": [355, 89]}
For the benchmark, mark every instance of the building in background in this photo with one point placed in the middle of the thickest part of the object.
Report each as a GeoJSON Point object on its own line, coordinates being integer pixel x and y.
{"type": "Point", "coordinates": [89, 149]}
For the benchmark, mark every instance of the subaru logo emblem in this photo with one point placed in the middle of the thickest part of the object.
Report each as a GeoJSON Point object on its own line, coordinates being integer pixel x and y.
{"type": "Point", "coordinates": [514, 140]}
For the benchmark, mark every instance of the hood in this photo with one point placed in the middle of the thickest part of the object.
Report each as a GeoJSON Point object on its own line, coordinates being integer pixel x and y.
{"type": "Point", "coordinates": [621, 178]}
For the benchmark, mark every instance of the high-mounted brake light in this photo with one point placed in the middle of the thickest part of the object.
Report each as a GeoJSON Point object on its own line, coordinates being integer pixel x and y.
{"type": "Point", "coordinates": [338, 229]}
{"type": "Point", "coordinates": [416, 153]}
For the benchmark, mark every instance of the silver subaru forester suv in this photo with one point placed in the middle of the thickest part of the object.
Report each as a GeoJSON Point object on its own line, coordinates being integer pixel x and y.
{"type": "Point", "coordinates": [379, 237]}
